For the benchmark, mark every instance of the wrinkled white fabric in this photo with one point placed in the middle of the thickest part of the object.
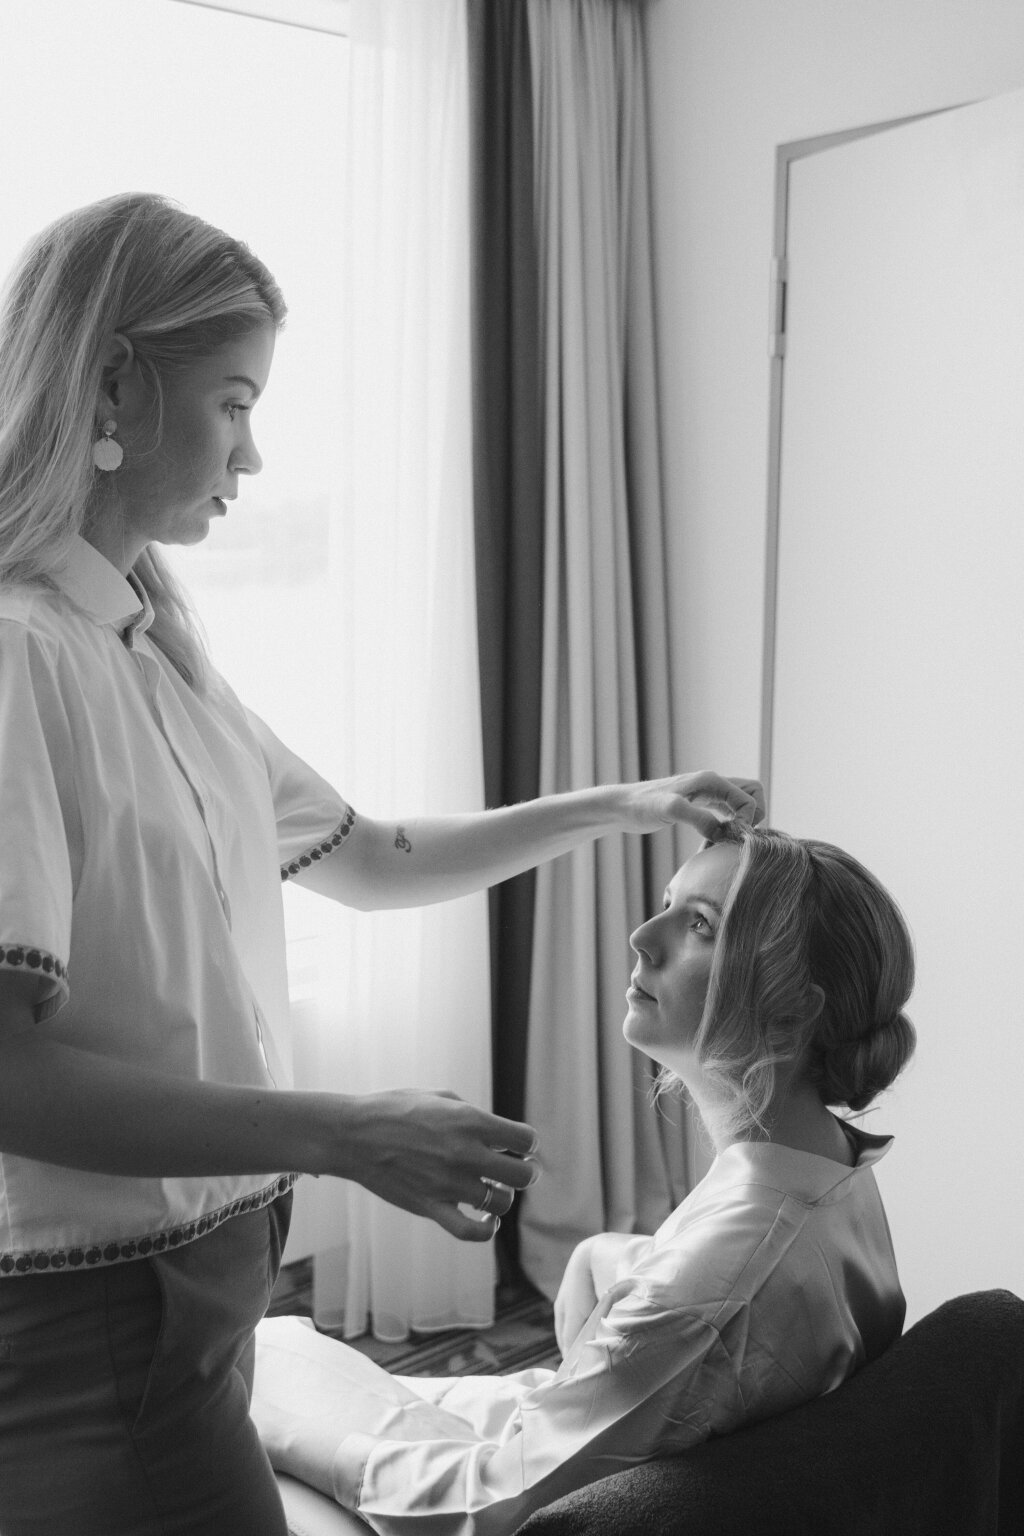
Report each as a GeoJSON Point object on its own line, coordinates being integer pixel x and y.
{"type": "Point", "coordinates": [770, 1284]}
{"type": "Point", "coordinates": [145, 834]}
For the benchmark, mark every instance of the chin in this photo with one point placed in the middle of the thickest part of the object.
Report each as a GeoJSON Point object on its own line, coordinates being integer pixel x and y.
{"type": "Point", "coordinates": [630, 1029]}
{"type": "Point", "coordinates": [638, 1037]}
{"type": "Point", "coordinates": [195, 533]}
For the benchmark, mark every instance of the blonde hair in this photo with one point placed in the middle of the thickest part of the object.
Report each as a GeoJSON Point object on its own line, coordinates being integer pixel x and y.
{"type": "Point", "coordinates": [801, 915]}
{"type": "Point", "coordinates": [177, 289]}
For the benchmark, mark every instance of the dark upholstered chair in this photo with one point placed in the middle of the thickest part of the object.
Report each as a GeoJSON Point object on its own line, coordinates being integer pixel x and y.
{"type": "Point", "coordinates": [926, 1441]}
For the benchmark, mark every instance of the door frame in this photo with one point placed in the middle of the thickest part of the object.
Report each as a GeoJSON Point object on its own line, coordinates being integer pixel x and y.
{"type": "Point", "coordinates": [785, 156]}
{"type": "Point", "coordinates": [328, 16]}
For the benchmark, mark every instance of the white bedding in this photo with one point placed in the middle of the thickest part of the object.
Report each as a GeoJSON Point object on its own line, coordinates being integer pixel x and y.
{"type": "Point", "coordinates": [313, 1514]}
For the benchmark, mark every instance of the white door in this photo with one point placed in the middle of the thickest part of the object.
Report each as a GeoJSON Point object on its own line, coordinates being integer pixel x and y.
{"type": "Point", "coordinates": [898, 726]}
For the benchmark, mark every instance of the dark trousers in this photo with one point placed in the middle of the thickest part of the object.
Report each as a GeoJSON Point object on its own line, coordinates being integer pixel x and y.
{"type": "Point", "coordinates": [124, 1392]}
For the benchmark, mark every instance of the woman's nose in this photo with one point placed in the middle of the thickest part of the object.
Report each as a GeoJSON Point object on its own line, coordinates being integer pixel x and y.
{"type": "Point", "coordinates": [641, 940]}
{"type": "Point", "coordinates": [246, 459]}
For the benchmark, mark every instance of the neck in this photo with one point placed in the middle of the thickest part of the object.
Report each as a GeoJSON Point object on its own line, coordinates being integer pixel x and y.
{"type": "Point", "coordinates": [106, 529]}
{"type": "Point", "coordinates": [795, 1118]}
{"type": "Point", "coordinates": [111, 542]}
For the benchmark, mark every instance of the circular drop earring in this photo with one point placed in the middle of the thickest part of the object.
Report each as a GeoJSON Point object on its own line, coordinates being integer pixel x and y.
{"type": "Point", "coordinates": [106, 453]}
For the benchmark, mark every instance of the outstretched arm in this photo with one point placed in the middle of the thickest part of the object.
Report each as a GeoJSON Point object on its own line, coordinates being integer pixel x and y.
{"type": "Point", "coordinates": [409, 863]}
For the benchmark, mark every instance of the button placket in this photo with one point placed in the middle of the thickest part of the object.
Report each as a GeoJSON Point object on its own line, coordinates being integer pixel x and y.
{"type": "Point", "coordinates": [150, 670]}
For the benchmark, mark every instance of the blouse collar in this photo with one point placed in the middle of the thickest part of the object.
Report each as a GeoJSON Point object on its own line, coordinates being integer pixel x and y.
{"type": "Point", "coordinates": [99, 589]}
{"type": "Point", "coordinates": [804, 1175]}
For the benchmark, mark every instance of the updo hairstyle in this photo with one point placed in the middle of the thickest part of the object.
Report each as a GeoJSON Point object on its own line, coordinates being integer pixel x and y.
{"type": "Point", "coordinates": [801, 915]}
{"type": "Point", "coordinates": [178, 289]}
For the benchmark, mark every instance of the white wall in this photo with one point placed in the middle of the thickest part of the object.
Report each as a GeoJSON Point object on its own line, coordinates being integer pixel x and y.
{"type": "Point", "coordinates": [730, 80]}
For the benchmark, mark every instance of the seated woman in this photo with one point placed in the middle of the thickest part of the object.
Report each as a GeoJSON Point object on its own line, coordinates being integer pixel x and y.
{"type": "Point", "coordinates": [770, 986]}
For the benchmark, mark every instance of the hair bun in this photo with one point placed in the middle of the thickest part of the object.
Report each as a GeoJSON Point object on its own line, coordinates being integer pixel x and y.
{"type": "Point", "coordinates": [853, 1072]}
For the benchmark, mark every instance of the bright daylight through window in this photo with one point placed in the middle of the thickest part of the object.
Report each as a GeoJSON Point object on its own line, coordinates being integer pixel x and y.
{"type": "Point", "coordinates": [185, 114]}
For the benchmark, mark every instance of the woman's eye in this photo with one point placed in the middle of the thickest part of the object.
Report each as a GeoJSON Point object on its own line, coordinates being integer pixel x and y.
{"type": "Point", "coordinates": [233, 410]}
{"type": "Point", "coordinates": [701, 925]}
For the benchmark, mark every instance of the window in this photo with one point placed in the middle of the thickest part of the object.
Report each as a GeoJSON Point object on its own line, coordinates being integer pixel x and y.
{"type": "Point", "coordinates": [338, 594]}
{"type": "Point", "coordinates": [243, 122]}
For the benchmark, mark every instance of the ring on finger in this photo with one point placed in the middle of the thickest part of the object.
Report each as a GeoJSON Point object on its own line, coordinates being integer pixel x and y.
{"type": "Point", "coordinates": [493, 1188]}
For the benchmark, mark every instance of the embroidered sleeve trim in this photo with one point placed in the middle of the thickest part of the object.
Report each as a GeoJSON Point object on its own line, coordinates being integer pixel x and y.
{"type": "Point", "coordinates": [97, 1255]}
{"type": "Point", "coordinates": [26, 957]}
{"type": "Point", "coordinates": [320, 850]}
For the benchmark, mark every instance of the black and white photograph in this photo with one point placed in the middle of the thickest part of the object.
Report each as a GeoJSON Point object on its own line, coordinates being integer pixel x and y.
{"type": "Point", "coordinates": [511, 741]}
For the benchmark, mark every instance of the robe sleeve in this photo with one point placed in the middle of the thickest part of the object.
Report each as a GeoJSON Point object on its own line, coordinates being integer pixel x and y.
{"type": "Point", "coordinates": [409, 1466]}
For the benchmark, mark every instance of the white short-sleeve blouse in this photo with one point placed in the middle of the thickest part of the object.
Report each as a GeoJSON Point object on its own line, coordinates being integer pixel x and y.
{"type": "Point", "coordinates": [146, 833]}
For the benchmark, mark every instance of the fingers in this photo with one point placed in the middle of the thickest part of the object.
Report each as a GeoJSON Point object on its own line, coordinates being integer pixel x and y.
{"type": "Point", "coordinates": [498, 1151]}
{"type": "Point", "coordinates": [496, 1199]}
{"type": "Point", "coordinates": [505, 1154]}
{"type": "Point", "coordinates": [439, 1157]}
{"type": "Point", "coordinates": [468, 1229]}
{"type": "Point", "coordinates": [706, 822]}
{"type": "Point", "coordinates": [756, 809]}
{"type": "Point", "coordinates": [711, 802]}
{"type": "Point", "coordinates": [512, 1136]}
{"type": "Point", "coordinates": [484, 1207]}
{"type": "Point", "coordinates": [743, 797]}
{"type": "Point", "coordinates": [504, 1168]}
{"type": "Point", "coordinates": [483, 1211]}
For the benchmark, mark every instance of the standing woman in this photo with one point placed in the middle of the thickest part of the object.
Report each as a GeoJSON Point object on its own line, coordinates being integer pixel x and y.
{"type": "Point", "coordinates": [149, 1136]}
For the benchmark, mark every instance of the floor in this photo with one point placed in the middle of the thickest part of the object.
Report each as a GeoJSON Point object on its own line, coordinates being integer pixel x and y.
{"type": "Point", "coordinates": [522, 1333]}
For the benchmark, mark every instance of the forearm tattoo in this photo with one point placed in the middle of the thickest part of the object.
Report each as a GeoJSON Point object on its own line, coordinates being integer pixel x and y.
{"type": "Point", "coordinates": [402, 842]}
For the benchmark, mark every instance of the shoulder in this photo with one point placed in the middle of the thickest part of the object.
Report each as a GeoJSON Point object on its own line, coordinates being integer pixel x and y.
{"type": "Point", "coordinates": [684, 1281]}
{"type": "Point", "coordinates": [740, 1227]}
{"type": "Point", "coordinates": [42, 670]}
{"type": "Point", "coordinates": [26, 641]}
{"type": "Point", "coordinates": [33, 616]}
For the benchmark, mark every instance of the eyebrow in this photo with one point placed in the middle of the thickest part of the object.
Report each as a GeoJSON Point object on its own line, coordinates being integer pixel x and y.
{"type": "Point", "coordinates": [705, 901]}
{"type": "Point", "coordinates": [243, 378]}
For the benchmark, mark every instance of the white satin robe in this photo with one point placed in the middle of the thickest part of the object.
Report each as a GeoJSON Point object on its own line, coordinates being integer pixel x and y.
{"type": "Point", "coordinates": [769, 1285]}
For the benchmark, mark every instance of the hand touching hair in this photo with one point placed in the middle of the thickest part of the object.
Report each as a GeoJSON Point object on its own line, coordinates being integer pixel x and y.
{"type": "Point", "coordinates": [812, 968]}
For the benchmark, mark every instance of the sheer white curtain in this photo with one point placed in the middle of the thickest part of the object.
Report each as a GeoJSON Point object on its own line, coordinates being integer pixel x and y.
{"type": "Point", "coordinates": [339, 593]}
{"type": "Point", "coordinates": [400, 998]}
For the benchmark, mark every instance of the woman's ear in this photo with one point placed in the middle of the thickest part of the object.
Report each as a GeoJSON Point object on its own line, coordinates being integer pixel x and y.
{"type": "Point", "coordinates": [119, 372]}
{"type": "Point", "coordinates": [815, 1002]}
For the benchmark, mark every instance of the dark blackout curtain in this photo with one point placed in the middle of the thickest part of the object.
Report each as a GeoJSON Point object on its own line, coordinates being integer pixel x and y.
{"type": "Point", "coordinates": [571, 587]}
{"type": "Point", "coordinates": [507, 469]}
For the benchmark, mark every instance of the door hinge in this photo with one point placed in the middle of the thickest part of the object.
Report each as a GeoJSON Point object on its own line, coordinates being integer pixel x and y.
{"type": "Point", "coordinates": [780, 276]}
